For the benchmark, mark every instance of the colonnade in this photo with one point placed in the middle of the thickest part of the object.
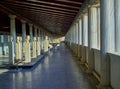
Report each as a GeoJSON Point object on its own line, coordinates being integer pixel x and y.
{"type": "Point", "coordinates": [97, 29]}
{"type": "Point", "coordinates": [25, 47]}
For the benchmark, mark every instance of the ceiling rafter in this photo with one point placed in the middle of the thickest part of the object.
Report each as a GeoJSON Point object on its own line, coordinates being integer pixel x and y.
{"type": "Point", "coordinates": [40, 11]}
{"type": "Point", "coordinates": [43, 6]}
{"type": "Point", "coordinates": [66, 1]}
{"type": "Point", "coordinates": [45, 14]}
{"type": "Point", "coordinates": [35, 8]}
{"type": "Point", "coordinates": [54, 4]}
{"type": "Point", "coordinates": [55, 16]}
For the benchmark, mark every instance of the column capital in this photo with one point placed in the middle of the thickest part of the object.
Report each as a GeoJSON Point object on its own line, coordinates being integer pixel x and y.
{"type": "Point", "coordinates": [35, 27]}
{"type": "Point", "coordinates": [23, 21]}
{"type": "Point", "coordinates": [12, 16]}
{"type": "Point", "coordinates": [30, 24]}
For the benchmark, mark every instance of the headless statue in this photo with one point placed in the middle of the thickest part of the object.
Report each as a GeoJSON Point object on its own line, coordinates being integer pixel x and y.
{"type": "Point", "coordinates": [27, 50]}
{"type": "Point", "coordinates": [46, 44]}
{"type": "Point", "coordinates": [18, 49]}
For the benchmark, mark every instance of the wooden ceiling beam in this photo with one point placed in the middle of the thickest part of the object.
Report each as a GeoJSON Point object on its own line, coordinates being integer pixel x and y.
{"type": "Point", "coordinates": [68, 1]}
{"type": "Point", "coordinates": [35, 8]}
{"type": "Point", "coordinates": [40, 12]}
{"type": "Point", "coordinates": [43, 6]}
{"type": "Point", "coordinates": [54, 4]}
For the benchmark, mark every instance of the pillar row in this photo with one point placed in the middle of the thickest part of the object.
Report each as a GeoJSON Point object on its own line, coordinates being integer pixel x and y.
{"type": "Point", "coordinates": [12, 45]}
{"type": "Point", "coordinates": [107, 37]}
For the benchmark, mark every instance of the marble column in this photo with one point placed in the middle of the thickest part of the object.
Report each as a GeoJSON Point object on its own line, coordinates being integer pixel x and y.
{"type": "Point", "coordinates": [23, 31]}
{"type": "Point", "coordinates": [23, 37]}
{"type": "Point", "coordinates": [31, 33]}
{"type": "Point", "coordinates": [76, 38]}
{"type": "Point", "coordinates": [84, 18]}
{"type": "Point", "coordinates": [12, 44]}
{"type": "Point", "coordinates": [107, 39]}
{"type": "Point", "coordinates": [98, 27]}
{"type": "Point", "coordinates": [117, 25]}
{"type": "Point", "coordinates": [42, 40]}
{"type": "Point", "coordinates": [35, 43]}
{"type": "Point", "coordinates": [2, 41]}
{"type": "Point", "coordinates": [38, 44]}
{"type": "Point", "coordinates": [92, 36]}
{"type": "Point", "coordinates": [80, 36]}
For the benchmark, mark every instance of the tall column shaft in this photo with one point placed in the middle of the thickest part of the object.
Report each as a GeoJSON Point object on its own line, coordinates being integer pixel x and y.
{"type": "Point", "coordinates": [2, 41]}
{"type": "Point", "coordinates": [80, 31]}
{"type": "Point", "coordinates": [85, 30]}
{"type": "Point", "coordinates": [31, 33]}
{"type": "Point", "coordinates": [12, 45]}
{"type": "Point", "coordinates": [23, 31]}
{"type": "Point", "coordinates": [98, 27]}
{"type": "Point", "coordinates": [92, 35]}
{"type": "Point", "coordinates": [117, 25]}
{"type": "Point", "coordinates": [107, 37]}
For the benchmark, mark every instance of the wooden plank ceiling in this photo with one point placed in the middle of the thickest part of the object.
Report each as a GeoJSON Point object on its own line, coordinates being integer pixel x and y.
{"type": "Point", "coordinates": [54, 15]}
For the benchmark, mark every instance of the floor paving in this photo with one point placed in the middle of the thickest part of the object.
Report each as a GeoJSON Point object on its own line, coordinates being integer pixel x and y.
{"type": "Point", "coordinates": [57, 71]}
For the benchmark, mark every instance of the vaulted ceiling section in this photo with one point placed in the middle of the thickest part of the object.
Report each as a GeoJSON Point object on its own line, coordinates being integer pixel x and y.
{"type": "Point", "coordinates": [54, 15]}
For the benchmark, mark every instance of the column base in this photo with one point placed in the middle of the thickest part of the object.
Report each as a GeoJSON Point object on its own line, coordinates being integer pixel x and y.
{"type": "Point", "coordinates": [88, 71]}
{"type": "Point", "coordinates": [100, 86]}
{"type": "Point", "coordinates": [3, 53]}
{"type": "Point", "coordinates": [82, 63]}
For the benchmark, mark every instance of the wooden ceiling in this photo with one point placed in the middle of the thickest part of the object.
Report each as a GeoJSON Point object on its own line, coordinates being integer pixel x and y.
{"type": "Point", "coordinates": [54, 15]}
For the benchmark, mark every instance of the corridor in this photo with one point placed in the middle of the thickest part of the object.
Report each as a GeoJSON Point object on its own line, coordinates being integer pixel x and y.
{"type": "Point", "coordinates": [57, 71]}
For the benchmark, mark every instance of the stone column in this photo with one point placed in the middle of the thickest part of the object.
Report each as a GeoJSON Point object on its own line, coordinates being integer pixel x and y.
{"type": "Point", "coordinates": [35, 43]}
{"type": "Point", "coordinates": [80, 36]}
{"type": "Point", "coordinates": [41, 40]}
{"type": "Point", "coordinates": [107, 39]}
{"type": "Point", "coordinates": [12, 45]}
{"type": "Point", "coordinates": [85, 29]}
{"type": "Point", "coordinates": [92, 36]}
{"type": "Point", "coordinates": [38, 43]}
{"type": "Point", "coordinates": [83, 38]}
{"type": "Point", "coordinates": [70, 37]}
{"type": "Point", "coordinates": [31, 38]}
{"type": "Point", "coordinates": [23, 36]}
{"type": "Point", "coordinates": [98, 27]}
{"type": "Point", "coordinates": [2, 41]}
{"type": "Point", "coordinates": [23, 31]}
{"type": "Point", "coordinates": [31, 33]}
{"type": "Point", "coordinates": [36, 36]}
{"type": "Point", "coordinates": [74, 49]}
{"type": "Point", "coordinates": [77, 38]}
{"type": "Point", "coordinates": [117, 25]}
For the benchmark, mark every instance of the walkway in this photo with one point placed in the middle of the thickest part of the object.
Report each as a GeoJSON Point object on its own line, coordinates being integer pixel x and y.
{"type": "Point", "coordinates": [56, 71]}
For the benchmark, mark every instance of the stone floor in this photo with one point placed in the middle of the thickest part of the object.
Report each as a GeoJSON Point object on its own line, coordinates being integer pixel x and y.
{"type": "Point", "coordinates": [57, 71]}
